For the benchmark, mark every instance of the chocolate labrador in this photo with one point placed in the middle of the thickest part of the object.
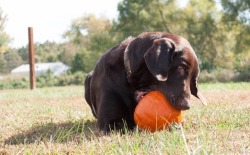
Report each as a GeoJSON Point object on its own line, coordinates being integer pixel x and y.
{"type": "Point", "coordinates": [125, 73]}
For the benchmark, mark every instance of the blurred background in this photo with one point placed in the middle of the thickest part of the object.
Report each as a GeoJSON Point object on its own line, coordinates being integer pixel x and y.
{"type": "Point", "coordinates": [218, 30]}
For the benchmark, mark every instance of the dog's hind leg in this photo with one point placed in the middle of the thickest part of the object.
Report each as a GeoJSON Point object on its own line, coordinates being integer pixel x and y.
{"type": "Point", "coordinates": [88, 92]}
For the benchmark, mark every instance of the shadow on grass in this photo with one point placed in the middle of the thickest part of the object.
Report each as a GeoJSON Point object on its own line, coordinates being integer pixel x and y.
{"type": "Point", "coordinates": [61, 132]}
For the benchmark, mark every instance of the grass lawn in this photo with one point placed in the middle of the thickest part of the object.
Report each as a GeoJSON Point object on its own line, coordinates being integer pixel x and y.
{"type": "Point", "coordinates": [58, 121]}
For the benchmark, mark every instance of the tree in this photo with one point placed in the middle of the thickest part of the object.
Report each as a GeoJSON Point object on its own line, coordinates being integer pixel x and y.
{"type": "Point", "coordinates": [24, 54]}
{"type": "Point", "coordinates": [136, 16]}
{"type": "Point", "coordinates": [90, 37]}
{"type": "Point", "coordinates": [68, 52]}
{"type": "Point", "coordinates": [236, 10]}
{"type": "Point", "coordinates": [236, 15]}
{"type": "Point", "coordinates": [78, 63]}
{"type": "Point", "coordinates": [205, 33]}
{"type": "Point", "coordinates": [48, 51]}
{"type": "Point", "coordinates": [4, 38]}
{"type": "Point", "coordinates": [12, 60]}
{"type": "Point", "coordinates": [2, 64]}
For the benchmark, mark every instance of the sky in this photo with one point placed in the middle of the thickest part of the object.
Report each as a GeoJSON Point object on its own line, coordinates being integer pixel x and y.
{"type": "Point", "coordinates": [49, 18]}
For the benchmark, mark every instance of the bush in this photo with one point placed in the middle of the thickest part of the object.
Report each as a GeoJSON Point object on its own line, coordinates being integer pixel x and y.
{"type": "Point", "coordinates": [218, 75]}
{"type": "Point", "coordinates": [45, 80]}
{"type": "Point", "coordinates": [48, 80]}
{"type": "Point", "coordinates": [14, 83]}
{"type": "Point", "coordinates": [244, 75]}
{"type": "Point", "coordinates": [71, 79]}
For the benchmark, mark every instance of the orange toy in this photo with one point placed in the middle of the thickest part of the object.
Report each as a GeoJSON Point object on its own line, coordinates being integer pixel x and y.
{"type": "Point", "coordinates": [154, 112]}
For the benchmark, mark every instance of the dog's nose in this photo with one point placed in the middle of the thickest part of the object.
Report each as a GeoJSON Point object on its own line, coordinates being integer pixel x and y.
{"type": "Point", "coordinates": [185, 104]}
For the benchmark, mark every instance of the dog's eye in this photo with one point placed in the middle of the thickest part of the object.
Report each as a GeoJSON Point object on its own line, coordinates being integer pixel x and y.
{"type": "Point", "coordinates": [181, 67]}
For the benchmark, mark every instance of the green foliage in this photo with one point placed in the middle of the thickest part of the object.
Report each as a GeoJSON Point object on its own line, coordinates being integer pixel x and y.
{"type": "Point", "coordinates": [9, 60]}
{"type": "Point", "coordinates": [78, 62]}
{"type": "Point", "coordinates": [14, 83]}
{"type": "Point", "coordinates": [201, 31]}
{"type": "Point", "coordinates": [48, 80]}
{"type": "Point", "coordinates": [140, 16]}
{"type": "Point", "coordinates": [2, 64]}
{"type": "Point", "coordinates": [90, 37]}
{"type": "Point", "coordinates": [45, 80]}
{"type": "Point", "coordinates": [236, 14]}
{"type": "Point", "coordinates": [24, 54]}
{"type": "Point", "coordinates": [218, 75]}
{"type": "Point", "coordinates": [12, 59]}
{"type": "Point", "coordinates": [44, 52]}
{"type": "Point", "coordinates": [71, 79]}
{"type": "Point", "coordinates": [48, 51]}
{"type": "Point", "coordinates": [237, 10]}
{"type": "Point", "coordinates": [83, 61]}
{"type": "Point", "coordinates": [4, 37]}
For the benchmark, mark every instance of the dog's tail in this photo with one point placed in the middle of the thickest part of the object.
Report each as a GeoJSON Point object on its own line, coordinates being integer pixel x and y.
{"type": "Point", "coordinates": [88, 92]}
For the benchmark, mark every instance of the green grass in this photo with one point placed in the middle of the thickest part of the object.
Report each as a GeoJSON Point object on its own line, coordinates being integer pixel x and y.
{"type": "Point", "coordinates": [58, 121]}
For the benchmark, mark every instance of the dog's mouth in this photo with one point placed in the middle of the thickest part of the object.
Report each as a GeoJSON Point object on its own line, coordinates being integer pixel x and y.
{"type": "Point", "coordinates": [139, 94]}
{"type": "Point", "coordinates": [178, 103]}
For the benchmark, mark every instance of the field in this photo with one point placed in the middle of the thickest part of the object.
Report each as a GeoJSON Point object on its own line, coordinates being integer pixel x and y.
{"type": "Point", "coordinates": [58, 121]}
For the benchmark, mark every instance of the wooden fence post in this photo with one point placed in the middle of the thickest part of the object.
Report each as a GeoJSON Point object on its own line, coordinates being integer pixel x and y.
{"type": "Point", "coordinates": [31, 59]}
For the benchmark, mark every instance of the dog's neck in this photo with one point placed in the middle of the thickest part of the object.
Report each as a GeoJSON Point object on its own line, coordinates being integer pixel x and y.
{"type": "Point", "coordinates": [127, 62]}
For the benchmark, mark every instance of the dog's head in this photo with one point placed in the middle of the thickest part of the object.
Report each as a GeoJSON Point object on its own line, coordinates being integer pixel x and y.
{"type": "Point", "coordinates": [174, 67]}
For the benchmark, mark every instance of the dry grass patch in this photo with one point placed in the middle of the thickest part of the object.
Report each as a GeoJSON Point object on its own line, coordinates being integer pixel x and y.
{"type": "Point", "coordinates": [58, 121]}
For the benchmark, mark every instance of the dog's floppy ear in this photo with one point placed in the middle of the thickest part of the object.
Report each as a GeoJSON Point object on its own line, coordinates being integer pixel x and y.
{"type": "Point", "coordinates": [159, 58]}
{"type": "Point", "coordinates": [194, 89]}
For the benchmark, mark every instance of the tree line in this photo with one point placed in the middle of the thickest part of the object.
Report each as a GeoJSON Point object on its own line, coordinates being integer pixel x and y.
{"type": "Point", "coordinates": [219, 36]}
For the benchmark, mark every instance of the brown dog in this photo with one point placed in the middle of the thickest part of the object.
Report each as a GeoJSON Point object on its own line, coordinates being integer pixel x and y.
{"type": "Point", "coordinates": [124, 74]}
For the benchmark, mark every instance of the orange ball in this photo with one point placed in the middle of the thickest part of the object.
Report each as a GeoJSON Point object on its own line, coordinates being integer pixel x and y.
{"type": "Point", "coordinates": [155, 113]}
